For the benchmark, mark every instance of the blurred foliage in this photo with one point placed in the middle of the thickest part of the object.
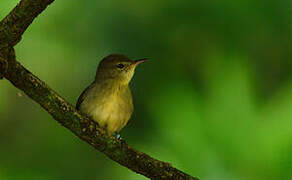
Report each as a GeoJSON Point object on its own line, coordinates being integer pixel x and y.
{"type": "Point", "coordinates": [215, 100]}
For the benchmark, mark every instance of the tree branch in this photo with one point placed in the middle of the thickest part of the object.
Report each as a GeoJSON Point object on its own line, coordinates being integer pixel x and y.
{"type": "Point", "coordinates": [17, 21]}
{"type": "Point", "coordinates": [11, 29]}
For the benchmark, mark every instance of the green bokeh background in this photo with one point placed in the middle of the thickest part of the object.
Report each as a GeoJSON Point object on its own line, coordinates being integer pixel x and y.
{"type": "Point", "coordinates": [215, 100]}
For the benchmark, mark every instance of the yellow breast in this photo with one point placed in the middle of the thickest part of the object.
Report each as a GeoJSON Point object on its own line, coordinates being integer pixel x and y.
{"type": "Point", "coordinates": [110, 110]}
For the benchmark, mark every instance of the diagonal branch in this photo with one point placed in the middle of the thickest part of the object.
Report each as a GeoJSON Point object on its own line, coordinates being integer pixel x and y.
{"type": "Point", "coordinates": [11, 29]}
{"type": "Point", "coordinates": [87, 129]}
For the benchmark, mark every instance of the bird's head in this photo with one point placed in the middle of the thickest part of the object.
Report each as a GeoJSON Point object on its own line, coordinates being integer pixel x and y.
{"type": "Point", "coordinates": [118, 68]}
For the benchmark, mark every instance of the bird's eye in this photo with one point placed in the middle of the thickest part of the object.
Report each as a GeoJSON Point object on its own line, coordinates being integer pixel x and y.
{"type": "Point", "coordinates": [120, 66]}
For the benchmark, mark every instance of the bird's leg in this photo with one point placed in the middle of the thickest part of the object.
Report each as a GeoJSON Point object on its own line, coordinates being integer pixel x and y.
{"type": "Point", "coordinates": [118, 136]}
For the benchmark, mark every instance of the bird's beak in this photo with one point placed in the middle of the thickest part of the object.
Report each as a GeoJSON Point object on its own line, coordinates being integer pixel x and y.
{"type": "Point", "coordinates": [140, 61]}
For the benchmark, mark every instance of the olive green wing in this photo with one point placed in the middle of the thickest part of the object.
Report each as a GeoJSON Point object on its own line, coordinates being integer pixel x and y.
{"type": "Point", "coordinates": [82, 96]}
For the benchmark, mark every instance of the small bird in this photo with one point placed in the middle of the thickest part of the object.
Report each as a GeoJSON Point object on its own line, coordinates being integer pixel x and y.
{"type": "Point", "coordinates": [108, 100]}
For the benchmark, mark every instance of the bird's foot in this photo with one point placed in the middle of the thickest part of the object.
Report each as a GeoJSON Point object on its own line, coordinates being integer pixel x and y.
{"type": "Point", "coordinates": [118, 136]}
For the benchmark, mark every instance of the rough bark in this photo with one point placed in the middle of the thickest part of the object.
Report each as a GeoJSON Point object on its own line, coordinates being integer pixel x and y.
{"type": "Point", "coordinates": [11, 29]}
{"type": "Point", "coordinates": [17, 21]}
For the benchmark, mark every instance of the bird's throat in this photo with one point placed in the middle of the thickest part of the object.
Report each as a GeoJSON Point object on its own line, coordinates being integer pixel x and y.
{"type": "Point", "coordinates": [113, 86]}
